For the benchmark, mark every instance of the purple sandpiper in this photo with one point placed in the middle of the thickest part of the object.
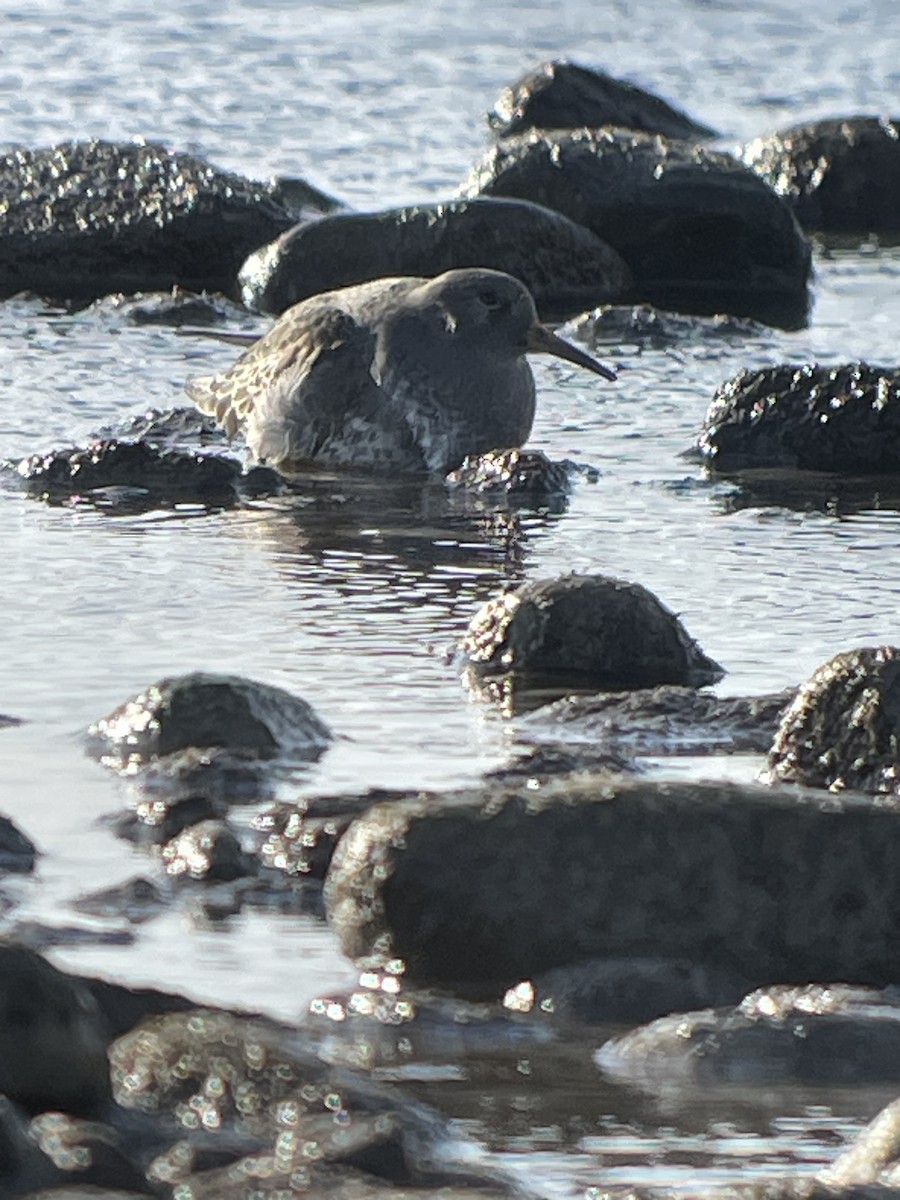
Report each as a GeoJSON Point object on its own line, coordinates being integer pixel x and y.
{"type": "Point", "coordinates": [402, 374]}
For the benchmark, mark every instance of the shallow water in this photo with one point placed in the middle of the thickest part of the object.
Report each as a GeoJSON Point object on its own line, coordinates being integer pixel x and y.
{"type": "Point", "coordinates": [353, 602]}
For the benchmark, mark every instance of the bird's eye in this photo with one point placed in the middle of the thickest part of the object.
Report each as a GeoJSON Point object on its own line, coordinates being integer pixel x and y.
{"type": "Point", "coordinates": [490, 299]}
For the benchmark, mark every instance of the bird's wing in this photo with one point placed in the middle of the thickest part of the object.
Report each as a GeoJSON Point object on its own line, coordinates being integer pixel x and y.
{"type": "Point", "coordinates": [296, 364]}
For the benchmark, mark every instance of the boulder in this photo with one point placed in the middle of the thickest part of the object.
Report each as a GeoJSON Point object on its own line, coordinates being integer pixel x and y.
{"type": "Point", "coordinates": [842, 729]}
{"type": "Point", "coordinates": [843, 419]}
{"type": "Point", "coordinates": [563, 95]}
{"type": "Point", "coordinates": [486, 886]}
{"type": "Point", "coordinates": [564, 266]}
{"type": "Point", "coordinates": [581, 632]}
{"type": "Point", "coordinates": [701, 232]}
{"type": "Point", "coordinates": [84, 219]}
{"type": "Point", "coordinates": [840, 176]}
{"type": "Point", "coordinates": [203, 709]}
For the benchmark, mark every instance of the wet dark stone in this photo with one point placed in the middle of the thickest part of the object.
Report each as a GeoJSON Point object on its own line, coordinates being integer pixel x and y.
{"type": "Point", "coordinates": [208, 851]}
{"type": "Point", "coordinates": [662, 720]}
{"type": "Point", "coordinates": [17, 852]}
{"type": "Point", "coordinates": [524, 478]}
{"type": "Point", "coordinates": [208, 710]}
{"type": "Point", "coordinates": [53, 1037]}
{"type": "Point", "coordinates": [840, 176]}
{"type": "Point", "coordinates": [487, 886]}
{"type": "Point", "coordinates": [84, 219]}
{"type": "Point", "coordinates": [131, 472]}
{"type": "Point", "coordinates": [700, 231]}
{"type": "Point", "coordinates": [581, 632]}
{"type": "Point", "coordinates": [137, 900]}
{"type": "Point", "coordinates": [299, 839]}
{"type": "Point", "coordinates": [643, 323]}
{"type": "Point", "coordinates": [255, 1079]}
{"type": "Point", "coordinates": [157, 819]}
{"type": "Point", "coordinates": [843, 419]}
{"type": "Point", "coordinates": [174, 308]}
{"type": "Point", "coordinates": [818, 1035]}
{"type": "Point", "coordinates": [8, 722]}
{"type": "Point", "coordinates": [565, 267]}
{"type": "Point", "coordinates": [87, 1153]}
{"type": "Point", "coordinates": [562, 95]}
{"type": "Point", "coordinates": [627, 990]}
{"type": "Point", "coordinates": [181, 428]}
{"type": "Point", "coordinates": [843, 728]}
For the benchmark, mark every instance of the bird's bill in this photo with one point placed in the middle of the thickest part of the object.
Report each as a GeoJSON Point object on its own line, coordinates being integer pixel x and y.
{"type": "Point", "coordinates": [542, 340]}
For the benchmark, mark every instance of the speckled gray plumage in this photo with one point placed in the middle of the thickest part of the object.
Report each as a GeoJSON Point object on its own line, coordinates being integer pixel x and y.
{"type": "Point", "coordinates": [402, 374]}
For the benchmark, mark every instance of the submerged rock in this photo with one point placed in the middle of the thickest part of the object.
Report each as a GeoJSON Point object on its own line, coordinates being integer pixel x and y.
{"type": "Point", "coordinates": [84, 219]}
{"type": "Point", "coordinates": [582, 632]}
{"type": "Point", "coordinates": [700, 231]}
{"type": "Point", "coordinates": [843, 728]}
{"type": "Point", "coordinates": [840, 175]}
{"type": "Point", "coordinates": [643, 323]}
{"type": "Point", "coordinates": [485, 887]}
{"type": "Point", "coordinates": [208, 710]}
{"type": "Point", "coordinates": [564, 266]}
{"type": "Point", "coordinates": [818, 1035]}
{"type": "Point", "coordinates": [562, 95]}
{"type": "Point", "coordinates": [136, 473]}
{"type": "Point", "coordinates": [17, 852]}
{"type": "Point", "coordinates": [662, 720]}
{"type": "Point", "coordinates": [527, 478]}
{"type": "Point", "coordinates": [843, 419]}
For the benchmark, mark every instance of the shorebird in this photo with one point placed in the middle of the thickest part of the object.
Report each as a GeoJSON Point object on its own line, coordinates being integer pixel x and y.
{"type": "Point", "coordinates": [402, 374]}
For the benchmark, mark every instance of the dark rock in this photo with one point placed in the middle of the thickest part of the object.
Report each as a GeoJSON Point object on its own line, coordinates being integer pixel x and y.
{"type": "Point", "coordinates": [843, 419]}
{"type": "Point", "coordinates": [84, 219]}
{"type": "Point", "coordinates": [174, 308]}
{"type": "Point", "coordinates": [123, 473]}
{"type": "Point", "coordinates": [562, 95]}
{"type": "Point", "coordinates": [625, 990]}
{"type": "Point", "coordinates": [53, 1037]}
{"type": "Point", "coordinates": [8, 722]}
{"type": "Point", "coordinates": [87, 1153]}
{"type": "Point", "coordinates": [564, 266]}
{"type": "Point", "coordinates": [820, 1035]}
{"type": "Point", "coordinates": [299, 839]}
{"type": "Point", "coordinates": [524, 477]}
{"type": "Point", "coordinates": [208, 710]}
{"type": "Point", "coordinates": [643, 323]}
{"type": "Point", "coordinates": [17, 852]}
{"type": "Point", "coordinates": [210, 851]}
{"type": "Point", "coordinates": [172, 429]}
{"type": "Point", "coordinates": [137, 900]}
{"type": "Point", "coordinates": [157, 819]}
{"type": "Point", "coordinates": [662, 720]}
{"type": "Point", "coordinates": [843, 728]}
{"type": "Point", "coordinates": [487, 886]}
{"type": "Point", "coordinates": [700, 231]}
{"type": "Point", "coordinates": [582, 632]}
{"type": "Point", "coordinates": [840, 176]}
{"type": "Point", "coordinates": [241, 1077]}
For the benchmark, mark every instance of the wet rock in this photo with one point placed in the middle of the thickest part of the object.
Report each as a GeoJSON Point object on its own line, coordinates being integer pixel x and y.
{"type": "Point", "coordinates": [8, 722]}
{"type": "Point", "coordinates": [208, 710]}
{"type": "Point", "coordinates": [564, 266]}
{"type": "Point", "coordinates": [171, 429]}
{"type": "Point", "coordinates": [662, 720]}
{"type": "Point", "coordinates": [155, 820]}
{"type": "Point", "coordinates": [840, 175]}
{"type": "Point", "coordinates": [581, 632]}
{"type": "Point", "coordinates": [844, 419]}
{"type": "Point", "coordinates": [87, 1153]}
{"type": "Point", "coordinates": [136, 900]}
{"type": "Point", "coordinates": [254, 1079]}
{"type": "Point", "coordinates": [524, 477]}
{"type": "Point", "coordinates": [174, 308]}
{"type": "Point", "coordinates": [562, 95]}
{"type": "Point", "coordinates": [299, 839]}
{"type": "Point", "coordinates": [120, 473]}
{"type": "Point", "coordinates": [84, 219]}
{"type": "Point", "coordinates": [643, 323]}
{"type": "Point", "coordinates": [383, 1023]}
{"type": "Point", "coordinates": [208, 850]}
{"type": "Point", "coordinates": [17, 852]}
{"type": "Point", "coordinates": [489, 886]}
{"type": "Point", "coordinates": [700, 231]}
{"type": "Point", "coordinates": [818, 1035]}
{"type": "Point", "coordinates": [624, 990]}
{"type": "Point", "coordinates": [53, 1037]}
{"type": "Point", "coordinates": [843, 728]}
